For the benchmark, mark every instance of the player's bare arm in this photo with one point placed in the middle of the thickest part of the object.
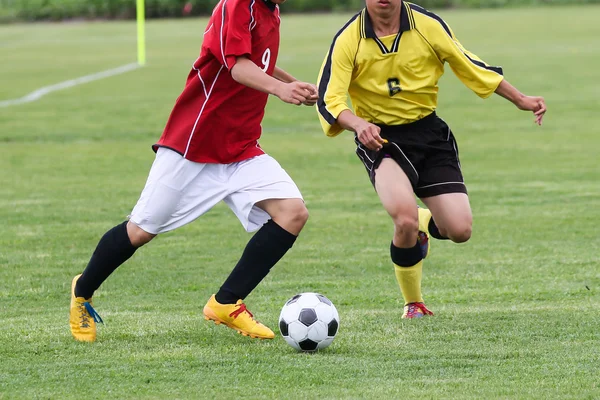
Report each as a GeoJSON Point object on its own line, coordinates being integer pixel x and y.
{"type": "Point", "coordinates": [367, 133]}
{"type": "Point", "coordinates": [249, 74]}
{"type": "Point", "coordinates": [286, 77]}
{"type": "Point", "coordinates": [480, 77]}
{"type": "Point", "coordinates": [523, 102]}
{"type": "Point", "coordinates": [283, 75]}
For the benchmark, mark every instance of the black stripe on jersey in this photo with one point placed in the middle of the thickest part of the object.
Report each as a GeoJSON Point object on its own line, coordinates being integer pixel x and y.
{"type": "Point", "coordinates": [327, 75]}
{"type": "Point", "coordinates": [497, 70]}
{"type": "Point", "coordinates": [367, 31]}
{"type": "Point", "coordinates": [423, 11]}
{"type": "Point", "coordinates": [410, 15]}
{"type": "Point", "coordinates": [366, 25]}
{"type": "Point", "coordinates": [382, 47]}
{"type": "Point", "coordinates": [363, 28]}
{"type": "Point", "coordinates": [432, 15]}
{"type": "Point", "coordinates": [396, 42]}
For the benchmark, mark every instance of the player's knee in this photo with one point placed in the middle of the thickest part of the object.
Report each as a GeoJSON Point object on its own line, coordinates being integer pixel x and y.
{"type": "Point", "coordinates": [291, 215]}
{"type": "Point", "coordinates": [137, 236]}
{"type": "Point", "coordinates": [406, 227]}
{"type": "Point", "coordinates": [298, 213]}
{"type": "Point", "coordinates": [460, 233]}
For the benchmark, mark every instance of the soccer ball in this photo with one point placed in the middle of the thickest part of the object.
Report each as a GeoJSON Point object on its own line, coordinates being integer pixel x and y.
{"type": "Point", "coordinates": [309, 322]}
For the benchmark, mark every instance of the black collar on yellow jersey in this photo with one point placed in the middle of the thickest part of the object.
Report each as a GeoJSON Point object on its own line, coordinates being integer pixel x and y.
{"type": "Point", "coordinates": [407, 22]}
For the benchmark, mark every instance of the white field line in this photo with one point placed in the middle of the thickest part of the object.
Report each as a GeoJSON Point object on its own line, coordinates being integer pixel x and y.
{"type": "Point", "coordinates": [39, 93]}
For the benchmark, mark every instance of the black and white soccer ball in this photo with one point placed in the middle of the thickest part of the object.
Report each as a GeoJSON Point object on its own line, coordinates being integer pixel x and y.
{"type": "Point", "coordinates": [309, 322]}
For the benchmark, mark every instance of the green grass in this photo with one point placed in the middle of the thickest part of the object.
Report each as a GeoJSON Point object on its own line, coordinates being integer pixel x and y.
{"type": "Point", "coordinates": [517, 306]}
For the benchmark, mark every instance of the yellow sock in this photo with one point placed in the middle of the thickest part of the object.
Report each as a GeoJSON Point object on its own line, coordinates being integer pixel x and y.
{"type": "Point", "coordinates": [409, 279]}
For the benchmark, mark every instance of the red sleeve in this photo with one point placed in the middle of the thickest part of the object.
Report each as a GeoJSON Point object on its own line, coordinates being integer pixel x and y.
{"type": "Point", "coordinates": [230, 34]}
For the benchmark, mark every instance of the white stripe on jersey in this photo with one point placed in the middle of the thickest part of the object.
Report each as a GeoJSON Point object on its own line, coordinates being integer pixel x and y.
{"type": "Point", "coordinates": [252, 21]}
{"type": "Point", "coordinates": [221, 36]}
{"type": "Point", "coordinates": [202, 109]}
{"type": "Point", "coordinates": [200, 77]}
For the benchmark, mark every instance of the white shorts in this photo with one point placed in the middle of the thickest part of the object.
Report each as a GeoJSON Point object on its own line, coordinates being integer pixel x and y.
{"type": "Point", "coordinates": [179, 190]}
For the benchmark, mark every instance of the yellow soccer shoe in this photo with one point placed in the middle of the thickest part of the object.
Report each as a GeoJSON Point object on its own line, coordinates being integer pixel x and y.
{"type": "Point", "coordinates": [236, 316]}
{"type": "Point", "coordinates": [423, 237]}
{"type": "Point", "coordinates": [82, 317]}
{"type": "Point", "coordinates": [424, 218]}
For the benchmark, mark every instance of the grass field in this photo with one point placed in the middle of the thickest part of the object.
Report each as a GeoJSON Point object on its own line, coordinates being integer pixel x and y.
{"type": "Point", "coordinates": [517, 307]}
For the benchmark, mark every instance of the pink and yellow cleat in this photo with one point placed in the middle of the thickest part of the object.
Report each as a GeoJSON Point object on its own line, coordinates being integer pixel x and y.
{"type": "Point", "coordinates": [236, 316]}
{"type": "Point", "coordinates": [415, 310]}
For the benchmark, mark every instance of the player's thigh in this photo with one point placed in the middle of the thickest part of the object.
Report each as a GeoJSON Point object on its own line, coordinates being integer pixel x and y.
{"type": "Point", "coordinates": [395, 191]}
{"type": "Point", "coordinates": [452, 215]}
{"type": "Point", "coordinates": [177, 192]}
{"type": "Point", "coordinates": [262, 181]}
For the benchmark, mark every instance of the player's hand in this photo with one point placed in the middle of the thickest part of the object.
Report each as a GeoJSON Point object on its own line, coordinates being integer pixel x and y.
{"type": "Point", "coordinates": [314, 96]}
{"type": "Point", "coordinates": [535, 104]}
{"type": "Point", "coordinates": [296, 92]}
{"type": "Point", "coordinates": [368, 134]}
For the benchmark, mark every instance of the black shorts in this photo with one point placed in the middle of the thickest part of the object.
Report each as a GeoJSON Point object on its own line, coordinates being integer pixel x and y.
{"type": "Point", "coordinates": [425, 150]}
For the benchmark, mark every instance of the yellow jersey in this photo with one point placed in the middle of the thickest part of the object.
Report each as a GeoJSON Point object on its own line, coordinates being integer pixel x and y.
{"type": "Point", "coordinates": [393, 80]}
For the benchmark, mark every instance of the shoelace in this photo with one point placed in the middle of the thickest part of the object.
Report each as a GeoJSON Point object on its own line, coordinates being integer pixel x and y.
{"type": "Point", "coordinates": [93, 312]}
{"type": "Point", "coordinates": [416, 307]}
{"type": "Point", "coordinates": [84, 320]}
{"type": "Point", "coordinates": [242, 308]}
{"type": "Point", "coordinates": [425, 310]}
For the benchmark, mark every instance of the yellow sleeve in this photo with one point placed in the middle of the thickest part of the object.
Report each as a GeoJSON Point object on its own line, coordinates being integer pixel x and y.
{"type": "Point", "coordinates": [481, 78]}
{"type": "Point", "coordinates": [334, 80]}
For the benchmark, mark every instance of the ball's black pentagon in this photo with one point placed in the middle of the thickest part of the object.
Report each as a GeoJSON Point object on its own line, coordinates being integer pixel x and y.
{"type": "Point", "coordinates": [283, 328]}
{"type": "Point", "coordinates": [324, 299]}
{"type": "Point", "coordinates": [332, 327]}
{"type": "Point", "coordinates": [293, 299]}
{"type": "Point", "coordinates": [308, 316]}
{"type": "Point", "coordinates": [308, 345]}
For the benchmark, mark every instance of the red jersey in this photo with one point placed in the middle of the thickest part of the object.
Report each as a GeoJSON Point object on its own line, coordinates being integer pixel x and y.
{"type": "Point", "coordinates": [216, 119]}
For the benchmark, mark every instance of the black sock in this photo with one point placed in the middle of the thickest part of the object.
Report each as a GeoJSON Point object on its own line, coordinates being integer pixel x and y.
{"type": "Point", "coordinates": [113, 250]}
{"type": "Point", "coordinates": [406, 257]}
{"type": "Point", "coordinates": [262, 252]}
{"type": "Point", "coordinates": [434, 231]}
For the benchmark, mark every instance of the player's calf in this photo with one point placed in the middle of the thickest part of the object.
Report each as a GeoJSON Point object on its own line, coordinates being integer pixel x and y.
{"type": "Point", "coordinates": [137, 236]}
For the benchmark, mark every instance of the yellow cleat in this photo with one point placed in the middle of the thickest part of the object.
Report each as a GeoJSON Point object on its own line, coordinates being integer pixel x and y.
{"type": "Point", "coordinates": [236, 316]}
{"type": "Point", "coordinates": [423, 238]}
{"type": "Point", "coordinates": [82, 317]}
{"type": "Point", "coordinates": [424, 218]}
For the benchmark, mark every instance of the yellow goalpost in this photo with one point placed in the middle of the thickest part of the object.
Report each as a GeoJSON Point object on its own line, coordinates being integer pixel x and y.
{"type": "Point", "coordinates": [141, 32]}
